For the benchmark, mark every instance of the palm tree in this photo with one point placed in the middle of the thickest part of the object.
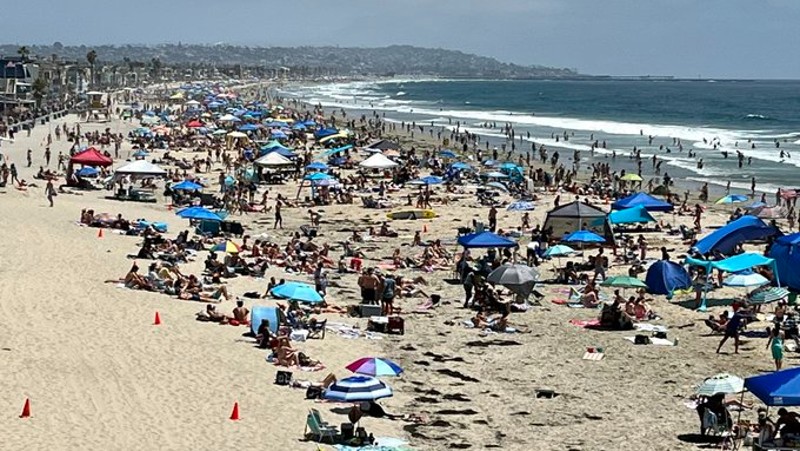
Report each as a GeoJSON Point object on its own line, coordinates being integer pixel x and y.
{"type": "Point", "coordinates": [39, 89]}
{"type": "Point", "coordinates": [24, 52]}
{"type": "Point", "coordinates": [91, 57]}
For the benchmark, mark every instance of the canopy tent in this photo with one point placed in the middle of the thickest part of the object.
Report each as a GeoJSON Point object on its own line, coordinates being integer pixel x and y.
{"type": "Point", "coordinates": [786, 253]}
{"type": "Point", "coordinates": [633, 215]}
{"type": "Point", "coordinates": [577, 216]}
{"type": "Point", "coordinates": [725, 239]}
{"type": "Point", "coordinates": [485, 239]}
{"type": "Point", "coordinates": [645, 200]}
{"type": "Point", "coordinates": [378, 161]}
{"type": "Point", "coordinates": [781, 388]}
{"type": "Point", "coordinates": [187, 185]}
{"type": "Point", "coordinates": [273, 159]}
{"type": "Point", "coordinates": [664, 277]}
{"type": "Point", "coordinates": [383, 144]}
{"type": "Point", "coordinates": [736, 263]}
{"type": "Point", "coordinates": [323, 132]}
{"type": "Point", "coordinates": [141, 168]}
{"type": "Point", "coordinates": [91, 157]}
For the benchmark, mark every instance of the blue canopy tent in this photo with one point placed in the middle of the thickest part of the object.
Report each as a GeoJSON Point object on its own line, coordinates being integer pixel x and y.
{"type": "Point", "coordinates": [485, 240]}
{"type": "Point", "coordinates": [781, 388]}
{"type": "Point", "coordinates": [725, 239]}
{"type": "Point", "coordinates": [786, 253]}
{"type": "Point", "coordinates": [282, 151]}
{"type": "Point", "coordinates": [737, 263]}
{"type": "Point", "coordinates": [638, 214]}
{"type": "Point", "coordinates": [323, 132]}
{"type": "Point", "coordinates": [336, 150]}
{"type": "Point", "coordinates": [645, 200]}
{"type": "Point", "coordinates": [187, 185]}
{"type": "Point", "coordinates": [664, 277]}
{"type": "Point", "coordinates": [317, 166]}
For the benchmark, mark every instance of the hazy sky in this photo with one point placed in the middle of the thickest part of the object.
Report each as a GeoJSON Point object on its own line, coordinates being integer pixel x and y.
{"type": "Point", "coordinates": [712, 38]}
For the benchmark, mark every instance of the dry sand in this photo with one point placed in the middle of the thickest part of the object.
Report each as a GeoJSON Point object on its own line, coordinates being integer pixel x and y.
{"type": "Point", "coordinates": [101, 376]}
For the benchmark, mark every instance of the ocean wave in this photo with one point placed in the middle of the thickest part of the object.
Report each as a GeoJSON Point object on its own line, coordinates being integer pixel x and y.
{"type": "Point", "coordinates": [757, 117]}
{"type": "Point", "coordinates": [400, 94]}
{"type": "Point", "coordinates": [743, 187]}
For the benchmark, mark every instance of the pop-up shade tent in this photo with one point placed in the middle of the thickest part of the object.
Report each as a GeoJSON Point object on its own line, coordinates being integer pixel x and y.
{"type": "Point", "coordinates": [263, 312]}
{"type": "Point", "coordinates": [378, 161]}
{"type": "Point", "coordinates": [645, 200]}
{"type": "Point", "coordinates": [91, 157]}
{"type": "Point", "coordinates": [578, 216]}
{"type": "Point", "coordinates": [273, 159]}
{"type": "Point", "coordinates": [633, 215]}
{"type": "Point", "coordinates": [725, 239]}
{"type": "Point", "coordinates": [786, 253]}
{"type": "Point", "coordinates": [140, 168]}
{"type": "Point", "coordinates": [736, 263]}
{"type": "Point", "coordinates": [486, 240]}
{"type": "Point", "coordinates": [781, 388]}
{"type": "Point", "coordinates": [664, 277]}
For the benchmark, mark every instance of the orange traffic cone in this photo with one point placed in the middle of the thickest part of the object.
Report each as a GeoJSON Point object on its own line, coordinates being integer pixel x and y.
{"type": "Point", "coordinates": [26, 410]}
{"type": "Point", "coordinates": [157, 321]}
{"type": "Point", "coordinates": [235, 413]}
{"type": "Point", "coordinates": [99, 233]}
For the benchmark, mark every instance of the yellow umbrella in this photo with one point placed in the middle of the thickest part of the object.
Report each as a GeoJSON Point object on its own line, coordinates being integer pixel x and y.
{"type": "Point", "coordinates": [229, 247]}
{"type": "Point", "coordinates": [330, 137]}
{"type": "Point", "coordinates": [631, 177]}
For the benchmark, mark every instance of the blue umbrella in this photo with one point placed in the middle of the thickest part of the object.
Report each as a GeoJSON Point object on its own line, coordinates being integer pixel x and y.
{"type": "Point", "coordinates": [318, 166]}
{"type": "Point", "coordinates": [460, 166]}
{"type": "Point", "coordinates": [498, 185]}
{"type": "Point", "coordinates": [295, 291]}
{"type": "Point", "coordinates": [732, 198]}
{"type": "Point", "coordinates": [199, 213]}
{"type": "Point", "coordinates": [279, 134]}
{"type": "Point", "coordinates": [357, 388]}
{"type": "Point", "coordinates": [431, 180]}
{"type": "Point", "coordinates": [489, 163]}
{"type": "Point", "coordinates": [317, 176]}
{"type": "Point", "coordinates": [558, 251]}
{"type": "Point", "coordinates": [521, 205]}
{"type": "Point", "coordinates": [87, 172]}
{"type": "Point", "coordinates": [187, 185]}
{"type": "Point", "coordinates": [508, 166]}
{"type": "Point", "coordinates": [496, 175]}
{"type": "Point", "coordinates": [447, 153]}
{"type": "Point", "coordinates": [140, 154]}
{"type": "Point", "coordinates": [248, 128]}
{"type": "Point", "coordinates": [584, 236]}
{"type": "Point", "coordinates": [276, 124]}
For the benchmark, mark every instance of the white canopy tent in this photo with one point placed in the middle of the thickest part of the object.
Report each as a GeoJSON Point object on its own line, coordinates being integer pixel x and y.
{"type": "Point", "coordinates": [273, 159]}
{"type": "Point", "coordinates": [140, 168]}
{"type": "Point", "coordinates": [378, 161]}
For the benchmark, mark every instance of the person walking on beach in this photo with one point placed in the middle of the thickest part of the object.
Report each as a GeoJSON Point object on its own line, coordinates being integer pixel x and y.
{"type": "Point", "coordinates": [278, 216]}
{"type": "Point", "coordinates": [753, 187]}
{"type": "Point", "coordinates": [776, 341]}
{"type": "Point", "coordinates": [492, 218]}
{"type": "Point", "coordinates": [30, 160]}
{"type": "Point", "coordinates": [47, 156]}
{"type": "Point", "coordinates": [732, 331]}
{"type": "Point", "coordinates": [50, 191]}
{"type": "Point", "coordinates": [14, 175]}
{"type": "Point", "coordinates": [321, 280]}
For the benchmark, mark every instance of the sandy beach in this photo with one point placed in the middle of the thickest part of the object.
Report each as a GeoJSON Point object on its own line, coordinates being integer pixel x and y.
{"type": "Point", "coordinates": [100, 375]}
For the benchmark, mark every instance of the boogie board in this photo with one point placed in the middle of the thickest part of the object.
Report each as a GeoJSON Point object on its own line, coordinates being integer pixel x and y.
{"type": "Point", "coordinates": [412, 214]}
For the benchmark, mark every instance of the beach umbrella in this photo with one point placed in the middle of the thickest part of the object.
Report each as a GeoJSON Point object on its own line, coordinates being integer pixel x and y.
{"type": "Point", "coordinates": [765, 295]}
{"type": "Point", "coordinates": [520, 205]}
{"type": "Point", "coordinates": [490, 163]}
{"type": "Point", "coordinates": [721, 383]}
{"type": "Point", "coordinates": [277, 134]}
{"type": "Point", "coordinates": [498, 185]}
{"type": "Point", "coordinates": [187, 185]}
{"type": "Point", "coordinates": [753, 279]}
{"type": "Point", "coordinates": [430, 180]}
{"type": "Point", "coordinates": [583, 236]}
{"type": "Point", "coordinates": [228, 246]}
{"type": "Point", "coordinates": [559, 250]}
{"type": "Point", "coordinates": [520, 279]}
{"type": "Point", "coordinates": [140, 154]}
{"type": "Point", "coordinates": [248, 128]}
{"type": "Point", "coordinates": [375, 366]}
{"type": "Point", "coordinates": [317, 166]}
{"type": "Point", "coordinates": [296, 291]}
{"type": "Point", "coordinates": [460, 166]}
{"type": "Point", "coordinates": [194, 124]}
{"type": "Point", "coordinates": [88, 171]}
{"type": "Point", "coordinates": [317, 176]}
{"type": "Point", "coordinates": [631, 177]}
{"type": "Point", "coordinates": [732, 199]}
{"type": "Point", "coordinates": [199, 213]}
{"type": "Point", "coordinates": [496, 175]}
{"type": "Point", "coordinates": [623, 282]}
{"type": "Point", "coordinates": [447, 153]}
{"type": "Point", "coordinates": [357, 388]}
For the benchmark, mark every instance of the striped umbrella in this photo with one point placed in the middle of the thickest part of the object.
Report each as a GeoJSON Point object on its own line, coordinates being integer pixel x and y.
{"type": "Point", "coordinates": [768, 294]}
{"type": "Point", "coordinates": [375, 366]}
{"type": "Point", "coordinates": [229, 247]}
{"type": "Point", "coordinates": [357, 388]}
{"type": "Point", "coordinates": [721, 383]}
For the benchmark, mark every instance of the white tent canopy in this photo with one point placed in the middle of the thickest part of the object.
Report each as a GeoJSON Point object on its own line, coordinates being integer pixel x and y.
{"type": "Point", "coordinates": [273, 159]}
{"type": "Point", "coordinates": [378, 161]}
{"type": "Point", "coordinates": [140, 168]}
{"type": "Point", "coordinates": [229, 118]}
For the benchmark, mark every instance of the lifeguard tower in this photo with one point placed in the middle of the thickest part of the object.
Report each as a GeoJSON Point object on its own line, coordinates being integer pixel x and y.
{"type": "Point", "coordinates": [99, 106]}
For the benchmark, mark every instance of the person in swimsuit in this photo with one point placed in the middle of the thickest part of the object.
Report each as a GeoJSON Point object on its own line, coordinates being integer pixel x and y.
{"type": "Point", "coordinates": [776, 341]}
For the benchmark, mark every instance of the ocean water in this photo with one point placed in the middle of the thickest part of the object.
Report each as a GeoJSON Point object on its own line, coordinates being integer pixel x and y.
{"type": "Point", "coordinates": [745, 116]}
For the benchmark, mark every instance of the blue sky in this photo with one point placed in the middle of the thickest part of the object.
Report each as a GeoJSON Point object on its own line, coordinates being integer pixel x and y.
{"type": "Point", "coordinates": [712, 38]}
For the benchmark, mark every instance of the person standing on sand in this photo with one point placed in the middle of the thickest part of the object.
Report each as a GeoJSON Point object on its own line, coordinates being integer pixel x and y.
{"type": "Point", "coordinates": [492, 218]}
{"type": "Point", "coordinates": [30, 160]}
{"type": "Point", "coordinates": [50, 191]}
{"type": "Point", "coordinates": [278, 216]}
{"type": "Point", "coordinates": [776, 340]}
{"type": "Point", "coordinates": [47, 156]}
{"type": "Point", "coordinates": [732, 331]}
{"type": "Point", "coordinates": [14, 176]}
{"type": "Point", "coordinates": [698, 215]}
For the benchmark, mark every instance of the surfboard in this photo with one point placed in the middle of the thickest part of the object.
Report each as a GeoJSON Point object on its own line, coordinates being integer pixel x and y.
{"type": "Point", "coordinates": [412, 214]}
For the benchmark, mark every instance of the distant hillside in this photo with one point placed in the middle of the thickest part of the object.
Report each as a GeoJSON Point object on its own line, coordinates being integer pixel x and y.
{"type": "Point", "coordinates": [405, 60]}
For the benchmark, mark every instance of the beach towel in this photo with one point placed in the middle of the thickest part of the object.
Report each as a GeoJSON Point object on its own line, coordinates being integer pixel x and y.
{"type": "Point", "coordinates": [585, 323]}
{"type": "Point", "coordinates": [644, 327]}
{"type": "Point", "coordinates": [381, 444]}
{"type": "Point", "coordinates": [654, 341]}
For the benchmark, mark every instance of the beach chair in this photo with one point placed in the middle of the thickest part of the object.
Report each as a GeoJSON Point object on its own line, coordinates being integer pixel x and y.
{"type": "Point", "coordinates": [317, 330]}
{"type": "Point", "coordinates": [318, 430]}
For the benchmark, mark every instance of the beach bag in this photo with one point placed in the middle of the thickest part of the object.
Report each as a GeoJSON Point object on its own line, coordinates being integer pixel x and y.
{"type": "Point", "coordinates": [314, 392]}
{"type": "Point", "coordinates": [640, 339]}
{"type": "Point", "coordinates": [283, 378]}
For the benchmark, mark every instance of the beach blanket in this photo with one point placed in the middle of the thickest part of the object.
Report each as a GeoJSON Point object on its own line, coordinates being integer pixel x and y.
{"type": "Point", "coordinates": [654, 341]}
{"type": "Point", "coordinates": [585, 323]}
{"type": "Point", "coordinates": [568, 303]}
{"type": "Point", "coordinates": [381, 444]}
{"type": "Point", "coordinates": [645, 327]}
